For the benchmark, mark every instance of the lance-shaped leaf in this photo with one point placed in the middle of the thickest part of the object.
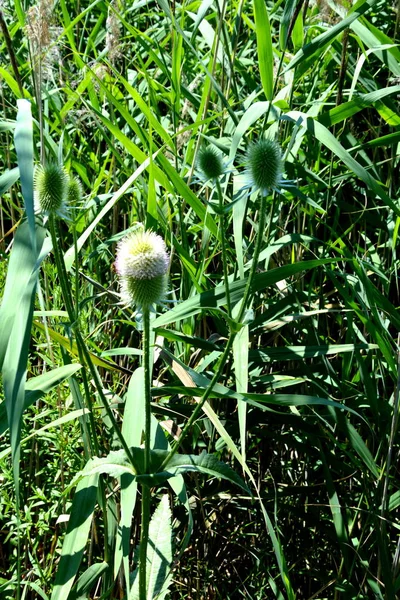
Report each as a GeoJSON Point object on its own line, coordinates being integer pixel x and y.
{"type": "Point", "coordinates": [159, 554]}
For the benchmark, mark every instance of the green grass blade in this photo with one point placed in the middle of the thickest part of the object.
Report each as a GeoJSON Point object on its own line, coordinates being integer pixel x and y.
{"type": "Point", "coordinates": [264, 47]}
{"type": "Point", "coordinates": [348, 109]}
{"type": "Point", "coordinates": [87, 580]}
{"type": "Point", "coordinates": [326, 138]}
{"type": "Point", "coordinates": [241, 367]}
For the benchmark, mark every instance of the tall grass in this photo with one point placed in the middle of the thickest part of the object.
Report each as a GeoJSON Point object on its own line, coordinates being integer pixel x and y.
{"type": "Point", "coordinates": [256, 424]}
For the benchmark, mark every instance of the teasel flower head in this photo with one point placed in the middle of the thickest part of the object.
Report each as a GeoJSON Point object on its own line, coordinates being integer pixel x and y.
{"type": "Point", "coordinates": [264, 165]}
{"type": "Point", "coordinates": [51, 190]}
{"type": "Point", "coordinates": [142, 263]}
{"type": "Point", "coordinates": [210, 163]}
{"type": "Point", "coordinates": [74, 191]}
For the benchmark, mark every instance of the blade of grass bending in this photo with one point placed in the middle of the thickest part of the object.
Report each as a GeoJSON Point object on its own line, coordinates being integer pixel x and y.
{"type": "Point", "coordinates": [264, 47]}
{"type": "Point", "coordinates": [217, 297]}
{"type": "Point", "coordinates": [77, 534]}
{"type": "Point", "coordinates": [389, 57]}
{"type": "Point", "coordinates": [348, 109]}
{"type": "Point", "coordinates": [72, 348]}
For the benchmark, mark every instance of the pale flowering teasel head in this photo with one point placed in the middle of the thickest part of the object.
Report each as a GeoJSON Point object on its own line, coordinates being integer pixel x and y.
{"type": "Point", "coordinates": [142, 263]}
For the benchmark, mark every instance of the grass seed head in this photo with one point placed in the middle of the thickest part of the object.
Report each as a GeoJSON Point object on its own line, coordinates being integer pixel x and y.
{"type": "Point", "coordinates": [264, 165]}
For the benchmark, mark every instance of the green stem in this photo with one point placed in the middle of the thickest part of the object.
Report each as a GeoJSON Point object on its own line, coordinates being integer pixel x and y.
{"type": "Point", "coordinates": [256, 255]}
{"type": "Point", "coordinates": [147, 388]}
{"type": "Point", "coordinates": [224, 254]}
{"type": "Point", "coordinates": [231, 339]}
{"type": "Point", "coordinates": [146, 495]}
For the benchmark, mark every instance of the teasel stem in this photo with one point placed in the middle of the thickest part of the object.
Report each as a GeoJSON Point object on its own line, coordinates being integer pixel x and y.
{"type": "Point", "coordinates": [256, 255]}
{"type": "Point", "coordinates": [224, 253]}
{"type": "Point", "coordinates": [222, 361]}
{"type": "Point", "coordinates": [146, 495]}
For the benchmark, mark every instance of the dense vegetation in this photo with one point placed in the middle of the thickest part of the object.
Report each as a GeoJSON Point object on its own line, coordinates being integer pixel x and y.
{"type": "Point", "coordinates": [274, 350]}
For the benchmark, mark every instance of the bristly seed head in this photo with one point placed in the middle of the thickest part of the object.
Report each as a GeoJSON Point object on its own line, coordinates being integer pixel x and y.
{"type": "Point", "coordinates": [50, 185]}
{"type": "Point", "coordinates": [142, 263]}
{"type": "Point", "coordinates": [74, 193]}
{"type": "Point", "coordinates": [264, 165]}
{"type": "Point", "coordinates": [210, 162]}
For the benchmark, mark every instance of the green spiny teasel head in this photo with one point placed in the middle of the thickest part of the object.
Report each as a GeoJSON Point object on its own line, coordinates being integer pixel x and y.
{"type": "Point", "coordinates": [210, 163]}
{"type": "Point", "coordinates": [51, 189]}
{"type": "Point", "coordinates": [142, 263]}
{"type": "Point", "coordinates": [74, 191]}
{"type": "Point", "coordinates": [264, 165]}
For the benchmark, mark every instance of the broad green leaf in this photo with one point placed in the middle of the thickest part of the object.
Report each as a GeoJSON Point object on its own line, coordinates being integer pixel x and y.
{"type": "Point", "coordinates": [264, 47]}
{"type": "Point", "coordinates": [15, 330]}
{"type": "Point", "coordinates": [132, 428]}
{"type": "Point", "coordinates": [159, 554]}
{"type": "Point", "coordinates": [23, 138]}
{"type": "Point", "coordinates": [114, 464]}
{"type": "Point", "coordinates": [183, 463]}
{"type": "Point", "coordinates": [76, 537]}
